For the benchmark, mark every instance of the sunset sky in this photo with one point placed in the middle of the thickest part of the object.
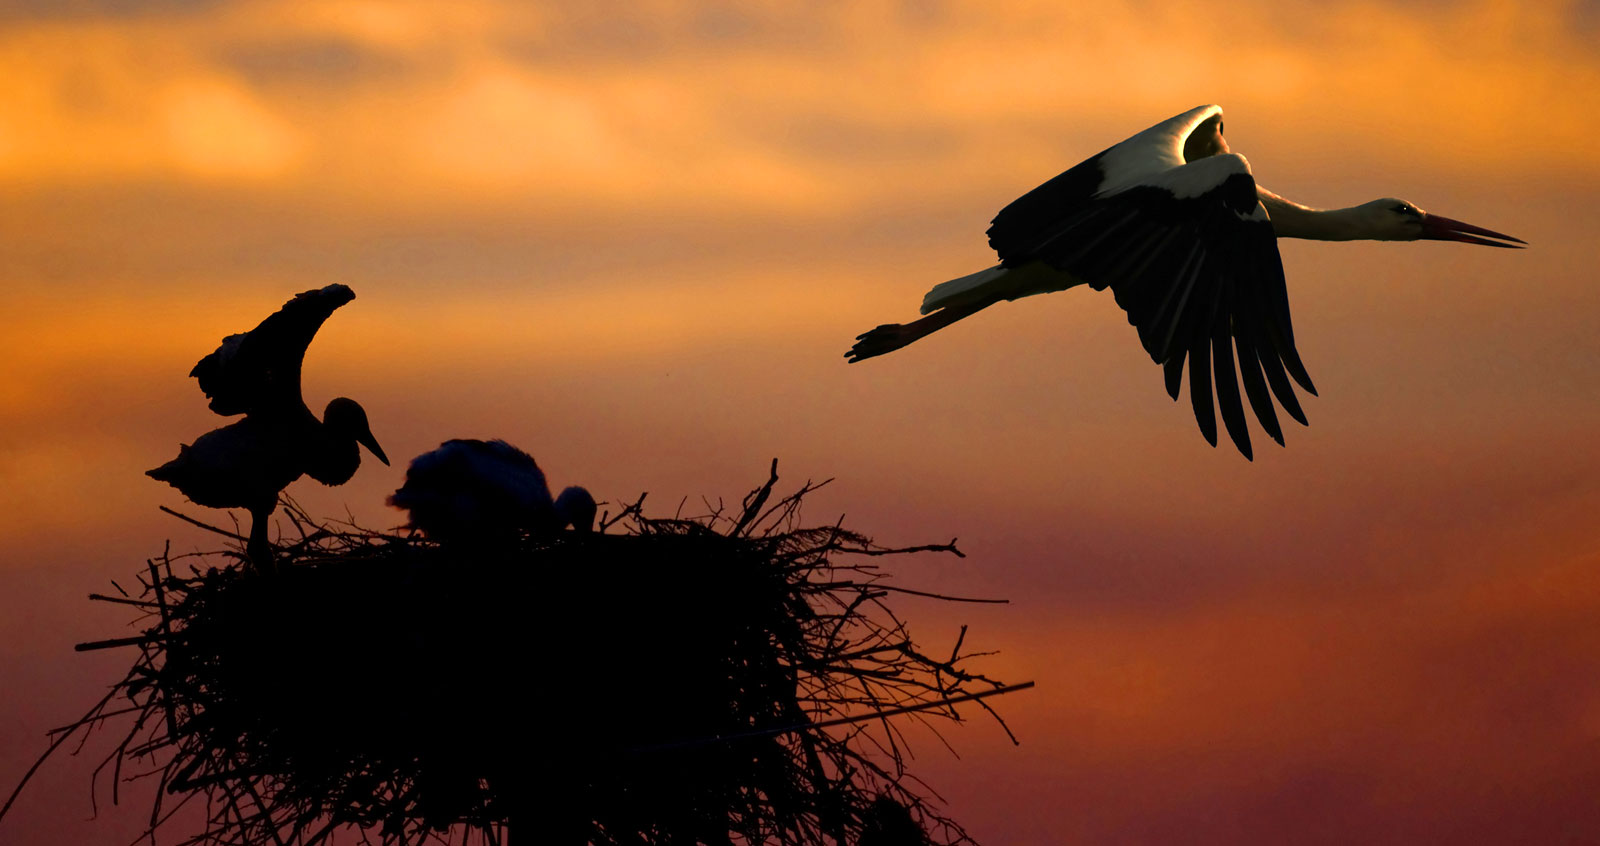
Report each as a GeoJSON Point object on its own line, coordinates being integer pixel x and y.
{"type": "Point", "coordinates": [636, 238]}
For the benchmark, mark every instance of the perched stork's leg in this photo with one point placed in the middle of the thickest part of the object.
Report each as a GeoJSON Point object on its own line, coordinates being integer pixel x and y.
{"type": "Point", "coordinates": [258, 548]}
{"type": "Point", "coordinates": [892, 336]}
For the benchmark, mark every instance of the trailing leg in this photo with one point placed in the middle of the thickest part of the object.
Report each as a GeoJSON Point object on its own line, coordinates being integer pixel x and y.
{"type": "Point", "coordinates": [892, 336]}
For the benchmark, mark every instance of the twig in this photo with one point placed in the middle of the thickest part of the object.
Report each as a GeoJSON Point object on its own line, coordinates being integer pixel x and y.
{"type": "Point", "coordinates": [840, 721]}
{"type": "Point", "coordinates": [940, 596]}
{"type": "Point", "coordinates": [100, 597]}
{"type": "Point", "coordinates": [207, 526]}
{"type": "Point", "coordinates": [754, 501]}
{"type": "Point", "coordinates": [54, 745]}
{"type": "Point", "coordinates": [112, 643]}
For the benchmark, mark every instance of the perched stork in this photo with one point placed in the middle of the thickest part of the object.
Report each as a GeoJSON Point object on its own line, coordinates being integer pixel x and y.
{"type": "Point", "coordinates": [257, 374]}
{"type": "Point", "coordinates": [472, 491]}
{"type": "Point", "coordinates": [1175, 225]}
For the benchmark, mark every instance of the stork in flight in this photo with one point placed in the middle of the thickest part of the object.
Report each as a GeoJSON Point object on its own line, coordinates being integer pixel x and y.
{"type": "Point", "coordinates": [1175, 225]}
{"type": "Point", "coordinates": [470, 491]}
{"type": "Point", "coordinates": [257, 374]}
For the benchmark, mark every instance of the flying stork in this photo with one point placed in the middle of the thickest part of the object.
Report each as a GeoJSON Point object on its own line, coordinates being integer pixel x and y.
{"type": "Point", "coordinates": [1175, 225]}
{"type": "Point", "coordinates": [257, 374]}
{"type": "Point", "coordinates": [472, 491]}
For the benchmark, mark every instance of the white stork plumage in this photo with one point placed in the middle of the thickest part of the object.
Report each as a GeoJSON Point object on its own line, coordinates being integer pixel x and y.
{"type": "Point", "coordinates": [1175, 225]}
{"type": "Point", "coordinates": [469, 491]}
{"type": "Point", "coordinates": [257, 374]}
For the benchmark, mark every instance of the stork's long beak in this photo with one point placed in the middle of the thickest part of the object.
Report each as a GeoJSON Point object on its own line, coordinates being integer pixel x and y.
{"type": "Point", "coordinates": [1436, 228]}
{"type": "Point", "coordinates": [367, 440]}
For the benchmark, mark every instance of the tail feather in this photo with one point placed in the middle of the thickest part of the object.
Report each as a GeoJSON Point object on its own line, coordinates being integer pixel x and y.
{"type": "Point", "coordinates": [172, 470]}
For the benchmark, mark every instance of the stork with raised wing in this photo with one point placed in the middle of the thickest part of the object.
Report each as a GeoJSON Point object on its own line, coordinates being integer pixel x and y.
{"type": "Point", "coordinates": [1175, 225]}
{"type": "Point", "coordinates": [248, 463]}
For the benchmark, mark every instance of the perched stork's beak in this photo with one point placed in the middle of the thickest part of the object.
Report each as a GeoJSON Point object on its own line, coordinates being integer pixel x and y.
{"type": "Point", "coordinates": [367, 440]}
{"type": "Point", "coordinates": [1436, 228]}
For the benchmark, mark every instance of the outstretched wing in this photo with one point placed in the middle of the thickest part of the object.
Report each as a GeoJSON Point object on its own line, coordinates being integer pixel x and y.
{"type": "Point", "coordinates": [1030, 219]}
{"type": "Point", "coordinates": [1192, 258]}
{"type": "Point", "coordinates": [260, 369]}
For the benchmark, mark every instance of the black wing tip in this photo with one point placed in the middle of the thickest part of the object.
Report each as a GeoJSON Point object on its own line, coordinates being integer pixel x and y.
{"type": "Point", "coordinates": [326, 299]}
{"type": "Point", "coordinates": [1297, 371]}
{"type": "Point", "coordinates": [1172, 374]}
{"type": "Point", "coordinates": [337, 291]}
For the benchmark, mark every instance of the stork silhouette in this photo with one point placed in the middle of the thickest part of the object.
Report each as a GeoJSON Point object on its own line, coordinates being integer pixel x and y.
{"type": "Point", "coordinates": [248, 463]}
{"type": "Point", "coordinates": [1174, 224]}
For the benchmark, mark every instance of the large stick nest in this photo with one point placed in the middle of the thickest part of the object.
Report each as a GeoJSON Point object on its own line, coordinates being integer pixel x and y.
{"type": "Point", "coordinates": [734, 677]}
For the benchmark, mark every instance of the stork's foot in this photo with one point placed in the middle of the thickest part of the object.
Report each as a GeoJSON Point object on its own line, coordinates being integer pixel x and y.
{"type": "Point", "coordinates": [892, 336]}
{"type": "Point", "coordinates": [884, 339]}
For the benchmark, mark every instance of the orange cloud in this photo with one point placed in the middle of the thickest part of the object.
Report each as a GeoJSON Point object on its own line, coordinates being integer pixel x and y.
{"type": "Point", "coordinates": [763, 108]}
{"type": "Point", "coordinates": [88, 103]}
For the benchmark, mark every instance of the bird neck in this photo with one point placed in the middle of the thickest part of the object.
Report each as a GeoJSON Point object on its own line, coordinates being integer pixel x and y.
{"type": "Point", "coordinates": [332, 459]}
{"type": "Point", "coordinates": [1292, 220]}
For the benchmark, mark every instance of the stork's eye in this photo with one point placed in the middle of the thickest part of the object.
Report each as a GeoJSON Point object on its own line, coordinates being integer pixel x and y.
{"type": "Point", "coordinates": [1220, 124]}
{"type": "Point", "coordinates": [1403, 208]}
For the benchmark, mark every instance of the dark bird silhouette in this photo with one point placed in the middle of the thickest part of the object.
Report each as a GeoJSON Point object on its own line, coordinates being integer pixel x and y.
{"type": "Point", "coordinates": [257, 374]}
{"type": "Point", "coordinates": [1175, 225]}
{"type": "Point", "coordinates": [486, 491]}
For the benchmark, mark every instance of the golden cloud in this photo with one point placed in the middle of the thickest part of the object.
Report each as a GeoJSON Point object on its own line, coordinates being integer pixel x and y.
{"type": "Point", "coordinates": [688, 105]}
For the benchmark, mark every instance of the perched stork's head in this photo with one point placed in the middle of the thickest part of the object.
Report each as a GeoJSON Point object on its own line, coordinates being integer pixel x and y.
{"type": "Point", "coordinates": [345, 417]}
{"type": "Point", "coordinates": [1392, 219]}
{"type": "Point", "coordinates": [576, 507]}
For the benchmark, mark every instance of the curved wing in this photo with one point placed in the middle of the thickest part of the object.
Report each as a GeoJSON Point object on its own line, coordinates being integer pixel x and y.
{"type": "Point", "coordinates": [1034, 216]}
{"type": "Point", "coordinates": [1192, 258]}
{"type": "Point", "coordinates": [260, 369]}
{"type": "Point", "coordinates": [1031, 218]}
